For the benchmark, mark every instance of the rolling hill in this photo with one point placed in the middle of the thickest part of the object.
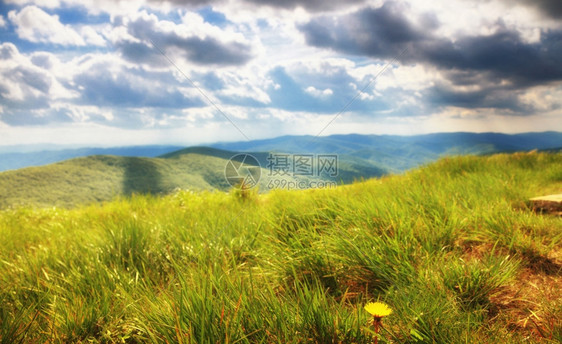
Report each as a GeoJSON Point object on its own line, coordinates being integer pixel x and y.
{"type": "Point", "coordinates": [101, 178]}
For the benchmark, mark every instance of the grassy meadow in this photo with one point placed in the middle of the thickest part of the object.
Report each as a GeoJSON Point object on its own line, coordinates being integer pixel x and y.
{"type": "Point", "coordinates": [451, 247]}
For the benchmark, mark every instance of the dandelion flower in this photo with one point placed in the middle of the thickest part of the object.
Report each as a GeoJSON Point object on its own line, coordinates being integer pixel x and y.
{"type": "Point", "coordinates": [378, 309]}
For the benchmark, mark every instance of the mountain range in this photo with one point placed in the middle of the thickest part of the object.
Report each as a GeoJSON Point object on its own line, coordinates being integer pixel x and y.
{"type": "Point", "coordinates": [90, 175]}
{"type": "Point", "coordinates": [399, 153]}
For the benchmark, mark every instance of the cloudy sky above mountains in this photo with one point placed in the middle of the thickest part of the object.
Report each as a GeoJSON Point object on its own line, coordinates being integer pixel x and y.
{"type": "Point", "coordinates": [111, 72]}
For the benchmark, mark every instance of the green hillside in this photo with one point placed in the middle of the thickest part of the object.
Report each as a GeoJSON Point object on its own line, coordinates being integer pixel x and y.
{"type": "Point", "coordinates": [101, 178]}
{"type": "Point", "coordinates": [452, 248]}
{"type": "Point", "coordinates": [350, 168]}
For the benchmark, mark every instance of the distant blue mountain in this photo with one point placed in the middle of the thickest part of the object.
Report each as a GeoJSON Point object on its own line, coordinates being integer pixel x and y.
{"type": "Point", "coordinates": [399, 153]}
{"type": "Point", "coordinates": [377, 154]}
{"type": "Point", "coordinates": [20, 159]}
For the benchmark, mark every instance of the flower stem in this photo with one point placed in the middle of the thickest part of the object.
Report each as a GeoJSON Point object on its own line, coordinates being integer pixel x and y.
{"type": "Point", "coordinates": [376, 324]}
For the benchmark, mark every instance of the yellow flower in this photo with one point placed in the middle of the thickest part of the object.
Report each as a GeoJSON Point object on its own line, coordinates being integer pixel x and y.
{"type": "Point", "coordinates": [378, 309]}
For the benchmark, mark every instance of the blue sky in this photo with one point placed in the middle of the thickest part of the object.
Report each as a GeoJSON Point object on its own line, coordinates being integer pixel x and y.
{"type": "Point", "coordinates": [104, 72]}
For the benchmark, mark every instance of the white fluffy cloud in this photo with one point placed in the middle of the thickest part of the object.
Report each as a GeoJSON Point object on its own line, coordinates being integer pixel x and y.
{"type": "Point", "coordinates": [27, 82]}
{"type": "Point", "coordinates": [144, 38]}
{"type": "Point", "coordinates": [319, 93]}
{"type": "Point", "coordinates": [40, 3]}
{"type": "Point", "coordinates": [35, 25]}
{"type": "Point", "coordinates": [91, 36]}
{"type": "Point", "coordinates": [113, 7]}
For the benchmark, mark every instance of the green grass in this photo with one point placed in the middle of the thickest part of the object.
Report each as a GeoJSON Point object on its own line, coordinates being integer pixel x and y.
{"type": "Point", "coordinates": [452, 247]}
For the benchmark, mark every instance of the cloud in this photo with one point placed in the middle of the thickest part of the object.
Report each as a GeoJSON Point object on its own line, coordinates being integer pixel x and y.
{"type": "Point", "coordinates": [386, 31]}
{"type": "Point", "coordinates": [501, 61]}
{"type": "Point", "coordinates": [126, 6]}
{"type": "Point", "coordinates": [140, 37]}
{"type": "Point", "coordinates": [442, 94]}
{"type": "Point", "coordinates": [549, 8]}
{"type": "Point", "coordinates": [290, 94]}
{"type": "Point", "coordinates": [34, 117]}
{"type": "Point", "coordinates": [378, 32]}
{"type": "Point", "coordinates": [44, 60]}
{"type": "Point", "coordinates": [91, 37]}
{"type": "Point", "coordinates": [184, 3]}
{"type": "Point", "coordinates": [113, 7]}
{"type": "Point", "coordinates": [106, 81]}
{"type": "Point", "coordinates": [552, 8]}
{"type": "Point", "coordinates": [28, 88]}
{"type": "Point", "coordinates": [324, 87]}
{"type": "Point", "coordinates": [40, 3]}
{"type": "Point", "coordinates": [39, 89]}
{"type": "Point", "coordinates": [2, 21]}
{"type": "Point", "coordinates": [35, 25]}
{"type": "Point", "coordinates": [499, 67]}
{"type": "Point", "coordinates": [312, 5]}
{"type": "Point", "coordinates": [319, 93]}
{"type": "Point", "coordinates": [25, 85]}
{"type": "Point", "coordinates": [504, 55]}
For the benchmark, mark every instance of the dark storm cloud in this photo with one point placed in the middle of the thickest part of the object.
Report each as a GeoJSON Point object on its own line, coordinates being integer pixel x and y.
{"type": "Point", "coordinates": [552, 8]}
{"type": "Point", "coordinates": [201, 50]}
{"type": "Point", "coordinates": [487, 60]}
{"type": "Point", "coordinates": [549, 8]}
{"type": "Point", "coordinates": [504, 55]}
{"type": "Point", "coordinates": [381, 32]}
{"type": "Point", "coordinates": [384, 32]}
{"type": "Point", "coordinates": [502, 64]}
{"type": "Point", "coordinates": [482, 98]}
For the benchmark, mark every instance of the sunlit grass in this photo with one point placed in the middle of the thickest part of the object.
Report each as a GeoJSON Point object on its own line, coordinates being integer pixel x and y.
{"type": "Point", "coordinates": [446, 245]}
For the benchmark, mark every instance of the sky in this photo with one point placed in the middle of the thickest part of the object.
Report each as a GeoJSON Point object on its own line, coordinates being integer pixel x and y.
{"type": "Point", "coordinates": [114, 73]}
